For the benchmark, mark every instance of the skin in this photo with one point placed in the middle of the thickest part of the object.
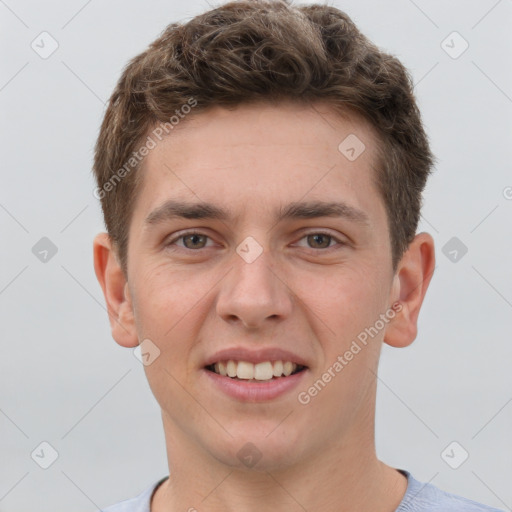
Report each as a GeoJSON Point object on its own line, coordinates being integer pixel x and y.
{"type": "Point", "coordinates": [308, 295]}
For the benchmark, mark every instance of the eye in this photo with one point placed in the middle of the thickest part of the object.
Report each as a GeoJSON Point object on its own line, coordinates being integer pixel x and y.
{"type": "Point", "coordinates": [321, 240]}
{"type": "Point", "coordinates": [191, 240]}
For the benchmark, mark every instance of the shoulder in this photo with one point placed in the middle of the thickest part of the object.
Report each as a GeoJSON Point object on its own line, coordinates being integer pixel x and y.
{"type": "Point", "coordinates": [140, 503]}
{"type": "Point", "coordinates": [425, 497]}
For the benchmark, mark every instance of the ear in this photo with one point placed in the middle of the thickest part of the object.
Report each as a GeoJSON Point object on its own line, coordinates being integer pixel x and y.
{"type": "Point", "coordinates": [115, 289]}
{"type": "Point", "coordinates": [410, 285]}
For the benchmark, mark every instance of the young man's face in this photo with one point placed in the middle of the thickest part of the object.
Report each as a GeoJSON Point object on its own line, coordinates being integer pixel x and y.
{"type": "Point", "coordinates": [299, 289]}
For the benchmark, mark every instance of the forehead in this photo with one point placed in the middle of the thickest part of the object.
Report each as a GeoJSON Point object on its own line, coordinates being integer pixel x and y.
{"type": "Point", "coordinates": [255, 155]}
{"type": "Point", "coordinates": [312, 129]}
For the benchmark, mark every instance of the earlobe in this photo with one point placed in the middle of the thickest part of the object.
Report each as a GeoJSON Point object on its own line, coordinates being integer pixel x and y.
{"type": "Point", "coordinates": [410, 285]}
{"type": "Point", "coordinates": [115, 289]}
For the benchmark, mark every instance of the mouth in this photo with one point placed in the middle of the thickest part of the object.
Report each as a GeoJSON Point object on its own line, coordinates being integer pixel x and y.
{"type": "Point", "coordinates": [265, 371]}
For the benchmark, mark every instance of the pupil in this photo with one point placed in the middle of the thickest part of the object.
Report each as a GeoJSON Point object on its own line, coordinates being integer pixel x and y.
{"type": "Point", "coordinates": [194, 238]}
{"type": "Point", "coordinates": [316, 237]}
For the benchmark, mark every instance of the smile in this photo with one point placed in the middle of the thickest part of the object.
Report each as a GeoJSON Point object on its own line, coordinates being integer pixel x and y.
{"type": "Point", "coordinates": [264, 371]}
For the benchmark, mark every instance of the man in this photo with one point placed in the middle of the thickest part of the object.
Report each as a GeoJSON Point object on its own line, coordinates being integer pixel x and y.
{"type": "Point", "coordinates": [260, 170]}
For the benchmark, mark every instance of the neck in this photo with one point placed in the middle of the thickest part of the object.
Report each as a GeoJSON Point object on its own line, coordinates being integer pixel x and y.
{"type": "Point", "coordinates": [345, 476]}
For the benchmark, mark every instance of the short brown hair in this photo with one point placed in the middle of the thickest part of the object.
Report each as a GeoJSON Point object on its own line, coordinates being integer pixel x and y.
{"type": "Point", "coordinates": [263, 50]}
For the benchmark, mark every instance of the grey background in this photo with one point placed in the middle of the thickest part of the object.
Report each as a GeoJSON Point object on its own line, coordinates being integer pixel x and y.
{"type": "Point", "coordinates": [63, 378]}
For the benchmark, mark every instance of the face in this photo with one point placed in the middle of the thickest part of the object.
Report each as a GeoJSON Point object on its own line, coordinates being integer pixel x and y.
{"type": "Point", "coordinates": [290, 262]}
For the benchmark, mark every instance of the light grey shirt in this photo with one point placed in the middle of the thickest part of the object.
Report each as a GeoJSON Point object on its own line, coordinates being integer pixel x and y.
{"type": "Point", "coordinates": [419, 497]}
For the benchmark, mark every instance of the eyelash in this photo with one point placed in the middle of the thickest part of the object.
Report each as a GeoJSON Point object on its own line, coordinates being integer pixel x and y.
{"type": "Point", "coordinates": [188, 233]}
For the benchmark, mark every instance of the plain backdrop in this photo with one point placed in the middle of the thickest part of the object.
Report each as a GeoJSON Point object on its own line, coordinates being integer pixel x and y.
{"type": "Point", "coordinates": [64, 381]}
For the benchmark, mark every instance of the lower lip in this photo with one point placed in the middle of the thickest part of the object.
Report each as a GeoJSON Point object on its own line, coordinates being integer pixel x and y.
{"type": "Point", "coordinates": [255, 391]}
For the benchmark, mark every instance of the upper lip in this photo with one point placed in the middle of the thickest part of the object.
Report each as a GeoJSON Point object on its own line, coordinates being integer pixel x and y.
{"type": "Point", "coordinates": [255, 356]}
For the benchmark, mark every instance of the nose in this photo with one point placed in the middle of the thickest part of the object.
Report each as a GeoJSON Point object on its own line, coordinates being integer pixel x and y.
{"type": "Point", "coordinates": [254, 294]}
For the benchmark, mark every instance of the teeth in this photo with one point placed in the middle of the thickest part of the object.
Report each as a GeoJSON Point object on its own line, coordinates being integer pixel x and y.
{"type": "Point", "coordinates": [278, 368]}
{"type": "Point", "coordinates": [288, 368]}
{"type": "Point", "coordinates": [231, 368]}
{"type": "Point", "coordinates": [220, 368]}
{"type": "Point", "coordinates": [260, 371]}
{"type": "Point", "coordinates": [263, 371]}
{"type": "Point", "coordinates": [245, 370]}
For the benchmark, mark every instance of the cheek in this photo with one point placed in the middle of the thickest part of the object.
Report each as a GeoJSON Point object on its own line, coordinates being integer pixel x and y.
{"type": "Point", "coordinates": [170, 313]}
{"type": "Point", "coordinates": [347, 301]}
{"type": "Point", "coordinates": [165, 308]}
{"type": "Point", "coordinates": [349, 305]}
{"type": "Point", "coordinates": [166, 295]}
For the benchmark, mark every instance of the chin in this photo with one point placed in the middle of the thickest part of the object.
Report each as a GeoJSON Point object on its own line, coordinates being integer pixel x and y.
{"type": "Point", "coordinates": [259, 448]}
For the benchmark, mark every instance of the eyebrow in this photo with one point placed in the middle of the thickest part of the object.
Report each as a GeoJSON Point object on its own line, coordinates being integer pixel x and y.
{"type": "Point", "coordinates": [173, 209]}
